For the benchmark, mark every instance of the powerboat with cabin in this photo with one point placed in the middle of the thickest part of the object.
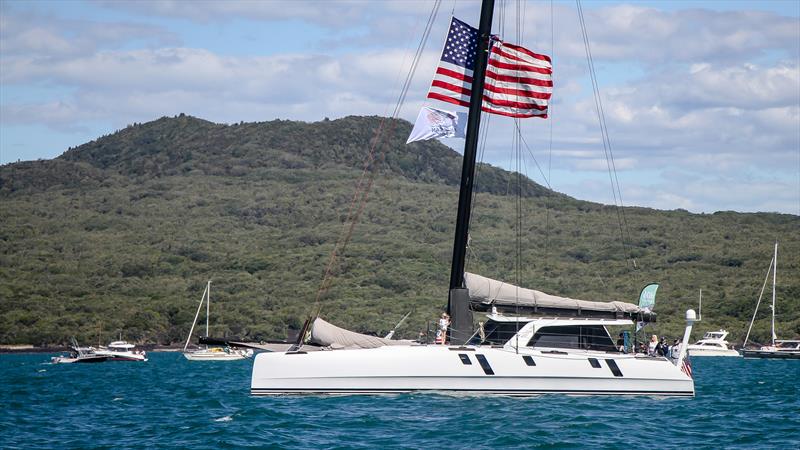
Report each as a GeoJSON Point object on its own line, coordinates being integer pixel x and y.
{"type": "Point", "coordinates": [122, 351]}
{"type": "Point", "coordinates": [713, 343]}
{"type": "Point", "coordinates": [79, 354]}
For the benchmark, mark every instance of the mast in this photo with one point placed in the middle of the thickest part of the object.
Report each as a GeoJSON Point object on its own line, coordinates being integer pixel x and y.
{"type": "Point", "coordinates": [208, 304]}
{"type": "Point", "coordinates": [458, 300]}
{"type": "Point", "coordinates": [471, 147]}
{"type": "Point", "coordinates": [774, 276]}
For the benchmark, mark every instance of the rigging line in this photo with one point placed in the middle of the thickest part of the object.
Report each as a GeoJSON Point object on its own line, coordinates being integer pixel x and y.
{"type": "Point", "coordinates": [535, 161]}
{"type": "Point", "coordinates": [365, 182]}
{"type": "Point", "coordinates": [621, 219]}
{"type": "Point", "coordinates": [548, 199]}
{"type": "Point", "coordinates": [417, 56]}
{"type": "Point", "coordinates": [485, 120]}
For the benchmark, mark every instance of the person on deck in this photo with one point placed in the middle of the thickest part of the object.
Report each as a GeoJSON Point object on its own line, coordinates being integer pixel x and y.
{"type": "Point", "coordinates": [441, 332]}
{"type": "Point", "coordinates": [651, 346]}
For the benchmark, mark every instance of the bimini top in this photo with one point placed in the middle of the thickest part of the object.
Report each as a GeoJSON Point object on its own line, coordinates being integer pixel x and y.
{"type": "Point", "coordinates": [486, 293]}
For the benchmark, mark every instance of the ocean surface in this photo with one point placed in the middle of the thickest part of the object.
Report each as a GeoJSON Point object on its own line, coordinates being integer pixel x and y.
{"type": "Point", "coordinates": [171, 402]}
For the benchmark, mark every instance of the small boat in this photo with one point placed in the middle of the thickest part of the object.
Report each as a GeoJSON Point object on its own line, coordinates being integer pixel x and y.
{"type": "Point", "coordinates": [713, 343]}
{"type": "Point", "coordinates": [79, 354]}
{"type": "Point", "coordinates": [779, 348]}
{"type": "Point", "coordinates": [223, 353]}
{"type": "Point", "coordinates": [121, 351]}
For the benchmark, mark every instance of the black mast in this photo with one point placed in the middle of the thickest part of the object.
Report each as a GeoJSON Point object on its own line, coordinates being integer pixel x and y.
{"type": "Point", "coordinates": [458, 301]}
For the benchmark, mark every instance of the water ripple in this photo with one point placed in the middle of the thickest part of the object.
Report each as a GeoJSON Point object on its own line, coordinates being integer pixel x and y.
{"type": "Point", "coordinates": [171, 402]}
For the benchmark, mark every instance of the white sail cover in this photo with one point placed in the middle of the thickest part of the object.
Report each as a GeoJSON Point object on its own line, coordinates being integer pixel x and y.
{"type": "Point", "coordinates": [493, 292]}
{"type": "Point", "coordinates": [328, 335]}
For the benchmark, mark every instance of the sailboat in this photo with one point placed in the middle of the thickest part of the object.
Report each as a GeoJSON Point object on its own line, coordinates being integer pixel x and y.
{"type": "Point", "coordinates": [528, 342]}
{"type": "Point", "coordinates": [778, 348]}
{"type": "Point", "coordinates": [214, 353]}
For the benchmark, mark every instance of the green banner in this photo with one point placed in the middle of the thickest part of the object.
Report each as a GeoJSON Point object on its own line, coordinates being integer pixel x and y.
{"type": "Point", "coordinates": [647, 299]}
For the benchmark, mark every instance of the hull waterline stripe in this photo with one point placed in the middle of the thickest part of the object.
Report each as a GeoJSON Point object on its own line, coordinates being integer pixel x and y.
{"type": "Point", "coordinates": [277, 391]}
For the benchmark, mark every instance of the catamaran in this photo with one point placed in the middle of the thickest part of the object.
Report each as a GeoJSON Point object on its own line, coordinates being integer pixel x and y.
{"type": "Point", "coordinates": [527, 342]}
{"type": "Point", "coordinates": [778, 348]}
{"type": "Point", "coordinates": [211, 353]}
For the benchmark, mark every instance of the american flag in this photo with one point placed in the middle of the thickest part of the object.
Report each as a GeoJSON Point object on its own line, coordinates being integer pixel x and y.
{"type": "Point", "coordinates": [686, 366]}
{"type": "Point", "coordinates": [518, 82]}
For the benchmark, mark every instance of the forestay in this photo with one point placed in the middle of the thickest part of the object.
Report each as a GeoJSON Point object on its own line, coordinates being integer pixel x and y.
{"type": "Point", "coordinates": [485, 292]}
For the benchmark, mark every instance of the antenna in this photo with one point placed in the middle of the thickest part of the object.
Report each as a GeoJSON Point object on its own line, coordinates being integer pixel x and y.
{"type": "Point", "coordinates": [700, 308]}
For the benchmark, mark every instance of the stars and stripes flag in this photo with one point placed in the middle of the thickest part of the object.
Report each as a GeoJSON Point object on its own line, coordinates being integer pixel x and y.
{"type": "Point", "coordinates": [518, 82]}
{"type": "Point", "coordinates": [686, 366]}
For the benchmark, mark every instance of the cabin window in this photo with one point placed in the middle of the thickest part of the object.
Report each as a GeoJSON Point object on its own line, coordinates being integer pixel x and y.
{"type": "Point", "coordinates": [496, 333]}
{"type": "Point", "coordinates": [586, 337]}
{"type": "Point", "coordinates": [465, 359]}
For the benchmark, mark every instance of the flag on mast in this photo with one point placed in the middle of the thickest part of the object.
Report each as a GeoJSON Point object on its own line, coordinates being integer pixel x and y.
{"type": "Point", "coordinates": [518, 83]}
{"type": "Point", "coordinates": [438, 123]}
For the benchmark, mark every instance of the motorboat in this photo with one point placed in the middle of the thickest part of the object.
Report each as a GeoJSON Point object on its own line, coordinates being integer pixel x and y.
{"type": "Point", "coordinates": [79, 354]}
{"type": "Point", "coordinates": [209, 353]}
{"type": "Point", "coordinates": [122, 351]}
{"type": "Point", "coordinates": [778, 348]}
{"type": "Point", "coordinates": [713, 343]}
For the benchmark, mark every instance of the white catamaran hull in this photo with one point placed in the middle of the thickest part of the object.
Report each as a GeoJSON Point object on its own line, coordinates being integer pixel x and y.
{"type": "Point", "coordinates": [466, 369]}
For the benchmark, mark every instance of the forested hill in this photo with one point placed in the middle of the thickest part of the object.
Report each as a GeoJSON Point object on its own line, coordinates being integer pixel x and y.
{"type": "Point", "coordinates": [120, 235]}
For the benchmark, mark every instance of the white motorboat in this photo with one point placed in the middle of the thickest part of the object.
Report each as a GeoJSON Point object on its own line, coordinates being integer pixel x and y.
{"type": "Point", "coordinates": [215, 353]}
{"type": "Point", "coordinates": [79, 354]}
{"type": "Point", "coordinates": [121, 351]}
{"type": "Point", "coordinates": [551, 344]}
{"type": "Point", "coordinates": [713, 343]}
{"type": "Point", "coordinates": [778, 348]}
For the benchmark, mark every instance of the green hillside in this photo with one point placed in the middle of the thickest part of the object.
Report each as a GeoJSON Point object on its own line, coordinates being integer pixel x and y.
{"type": "Point", "coordinates": [120, 235]}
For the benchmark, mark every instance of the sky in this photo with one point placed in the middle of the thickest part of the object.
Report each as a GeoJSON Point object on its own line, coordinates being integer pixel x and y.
{"type": "Point", "coordinates": [701, 98]}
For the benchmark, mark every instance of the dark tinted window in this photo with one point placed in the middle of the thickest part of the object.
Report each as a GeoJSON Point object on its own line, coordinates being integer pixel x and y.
{"type": "Point", "coordinates": [587, 337]}
{"type": "Point", "coordinates": [496, 333]}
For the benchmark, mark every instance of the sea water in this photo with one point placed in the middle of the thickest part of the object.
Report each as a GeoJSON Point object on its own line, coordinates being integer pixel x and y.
{"type": "Point", "coordinates": [171, 402]}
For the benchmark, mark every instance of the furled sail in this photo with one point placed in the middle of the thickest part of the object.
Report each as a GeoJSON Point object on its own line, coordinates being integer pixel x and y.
{"type": "Point", "coordinates": [486, 292]}
{"type": "Point", "coordinates": [328, 335]}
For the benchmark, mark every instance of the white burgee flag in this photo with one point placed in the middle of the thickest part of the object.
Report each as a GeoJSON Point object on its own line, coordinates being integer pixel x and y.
{"type": "Point", "coordinates": [434, 123]}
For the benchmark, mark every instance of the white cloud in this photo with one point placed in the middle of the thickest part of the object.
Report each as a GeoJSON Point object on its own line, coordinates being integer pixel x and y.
{"type": "Point", "coordinates": [709, 95]}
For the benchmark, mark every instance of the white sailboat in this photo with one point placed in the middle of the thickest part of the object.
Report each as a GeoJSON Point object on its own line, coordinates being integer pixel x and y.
{"type": "Point", "coordinates": [778, 348]}
{"type": "Point", "coordinates": [559, 345]}
{"type": "Point", "coordinates": [213, 353]}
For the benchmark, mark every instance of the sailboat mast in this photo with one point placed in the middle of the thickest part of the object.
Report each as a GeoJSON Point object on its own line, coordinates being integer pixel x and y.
{"type": "Point", "coordinates": [470, 149]}
{"type": "Point", "coordinates": [774, 276]}
{"type": "Point", "coordinates": [208, 304]}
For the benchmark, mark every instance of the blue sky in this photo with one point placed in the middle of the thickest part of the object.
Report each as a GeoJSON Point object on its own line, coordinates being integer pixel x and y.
{"type": "Point", "coordinates": [702, 99]}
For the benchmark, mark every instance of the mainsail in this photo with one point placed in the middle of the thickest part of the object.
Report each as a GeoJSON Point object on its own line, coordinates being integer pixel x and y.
{"type": "Point", "coordinates": [485, 293]}
{"type": "Point", "coordinates": [328, 335]}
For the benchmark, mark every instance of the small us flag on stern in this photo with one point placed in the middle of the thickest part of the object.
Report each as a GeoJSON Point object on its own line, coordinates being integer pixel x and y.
{"type": "Point", "coordinates": [518, 82]}
{"type": "Point", "coordinates": [686, 366]}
